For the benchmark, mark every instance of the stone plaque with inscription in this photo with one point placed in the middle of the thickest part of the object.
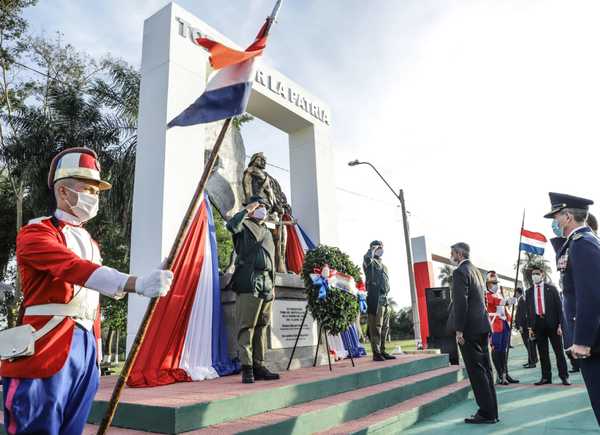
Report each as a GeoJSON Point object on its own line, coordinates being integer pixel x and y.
{"type": "Point", "coordinates": [286, 320]}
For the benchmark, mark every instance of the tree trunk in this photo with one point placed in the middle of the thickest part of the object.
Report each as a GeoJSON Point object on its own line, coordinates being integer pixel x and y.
{"type": "Point", "coordinates": [19, 204]}
{"type": "Point", "coordinates": [109, 341]}
{"type": "Point", "coordinates": [117, 347]}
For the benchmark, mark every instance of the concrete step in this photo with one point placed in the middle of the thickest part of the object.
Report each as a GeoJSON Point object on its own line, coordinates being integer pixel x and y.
{"type": "Point", "coordinates": [334, 410]}
{"type": "Point", "coordinates": [185, 407]}
{"type": "Point", "coordinates": [396, 418]}
{"type": "Point", "coordinates": [190, 406]}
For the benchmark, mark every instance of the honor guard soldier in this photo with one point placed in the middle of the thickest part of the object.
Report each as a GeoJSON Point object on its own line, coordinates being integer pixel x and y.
{"type": "Point", "coordinates": [500, 319]}
{"type": "Point", "coordinates": [578, 261]}
{"type": "Point", "coordinates": [49, 365]}
{"type": "Point", "coordinates": [378, 287]}
{"type": "Point", "coordinates": [253, 280]}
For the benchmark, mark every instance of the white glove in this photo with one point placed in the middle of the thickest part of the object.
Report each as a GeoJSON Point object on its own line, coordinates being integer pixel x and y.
{"type": "Point", "coordinates": [156, 283]}
{"type": "Point", "coordinates": [511, 301]}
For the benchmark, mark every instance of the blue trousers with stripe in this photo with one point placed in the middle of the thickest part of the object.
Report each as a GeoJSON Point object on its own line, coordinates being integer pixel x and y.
{"type": "Point", "coordinates": [60, 404]}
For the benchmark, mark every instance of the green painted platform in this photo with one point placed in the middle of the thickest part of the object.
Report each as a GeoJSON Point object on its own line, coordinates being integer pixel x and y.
{"type": "Point", "coordinates": [525, 409]}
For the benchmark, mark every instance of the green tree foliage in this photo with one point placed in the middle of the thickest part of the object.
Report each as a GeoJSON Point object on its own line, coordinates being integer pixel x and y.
{"type": "Point", "coordinates": [224, 240]}
{"type": "Point", "coordinates": [72, 100]}
{"type": "Point", "coordinates": [445, 275]}
{"type": "Point", "coordinates": [529, 262]}
{"type": "Point", "coordinates": [401, 324]}
{"type": "Point", "coordinates": [339, 309]}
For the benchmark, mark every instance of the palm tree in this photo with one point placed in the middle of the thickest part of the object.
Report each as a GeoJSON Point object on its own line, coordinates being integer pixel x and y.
{"type": "Point", "coordinates": [445, 275]}
{"type": "Point", "coordinates": [529, 262]}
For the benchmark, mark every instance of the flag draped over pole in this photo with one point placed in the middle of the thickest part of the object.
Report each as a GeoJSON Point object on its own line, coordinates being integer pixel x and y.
{"type": "Point", "coordinates": [185, 226]}
{"type": "Point", "coordinates": [186, 339]}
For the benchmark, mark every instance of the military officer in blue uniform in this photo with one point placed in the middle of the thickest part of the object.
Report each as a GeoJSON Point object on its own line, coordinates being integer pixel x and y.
{"type": "Point", "coordinates": [578, 261]}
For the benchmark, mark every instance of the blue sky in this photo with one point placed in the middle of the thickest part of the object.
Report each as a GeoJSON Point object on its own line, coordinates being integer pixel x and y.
{"type": "Point", "coordinates": [477, 109]}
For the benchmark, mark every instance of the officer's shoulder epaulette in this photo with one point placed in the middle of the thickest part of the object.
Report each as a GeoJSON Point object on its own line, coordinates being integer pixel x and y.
{"type": "Point", "coordinates": [577, 236]}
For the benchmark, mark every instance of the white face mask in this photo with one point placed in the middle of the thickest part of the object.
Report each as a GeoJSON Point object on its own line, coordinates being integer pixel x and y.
{"type": "Point", "coordinates": [378, 252]}
{"type": "Point", "coordinates": [260, 213]}
{"type": "Point", "coordinates": [494, 288]}
{"type": "Point", "coordinates": [86, 207]}
{"type": "Point", "coordinates": [536, 278]}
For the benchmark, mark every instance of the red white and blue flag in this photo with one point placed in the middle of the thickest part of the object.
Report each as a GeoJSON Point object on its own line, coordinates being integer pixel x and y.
{"type": "Point", "coordinates": [228, 90]}
{"type": "Point", "coordinates": [186, 338]}
{"type": "Point", "coordinates": [533, 243]}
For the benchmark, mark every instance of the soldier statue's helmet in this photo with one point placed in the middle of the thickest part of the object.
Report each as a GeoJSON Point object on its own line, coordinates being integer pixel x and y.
{"type": "Point", "coordinates": [80, 163]}
{"type": "Point", "coordinates": [256, 156]}
{"type": "Point", "coordinates": [560, 201]}
{"type": "Point", "coordinates": [376, 243]}
{"type": "Point", "coordinates": [257, 198]}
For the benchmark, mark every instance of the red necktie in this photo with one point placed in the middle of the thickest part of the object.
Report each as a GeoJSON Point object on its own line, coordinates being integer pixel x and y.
{"type": "Point", "coordinates": [539, 300]}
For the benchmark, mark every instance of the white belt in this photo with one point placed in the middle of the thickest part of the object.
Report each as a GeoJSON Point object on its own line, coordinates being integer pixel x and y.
{"type": "Point", "coordinates": [64, 310]}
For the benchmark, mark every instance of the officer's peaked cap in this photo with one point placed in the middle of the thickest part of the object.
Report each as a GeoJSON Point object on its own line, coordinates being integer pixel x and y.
{"type": "Point", "coordinates": [560, 201]}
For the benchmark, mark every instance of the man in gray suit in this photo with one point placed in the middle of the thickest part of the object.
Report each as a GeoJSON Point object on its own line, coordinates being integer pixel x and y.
{"type": "Point", "coordinates": [470, 322]}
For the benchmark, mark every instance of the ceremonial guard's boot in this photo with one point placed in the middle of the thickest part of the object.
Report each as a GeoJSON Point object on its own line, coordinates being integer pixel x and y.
{"type": "Point", "coordinates": [247, 375]}
{"type": "Point", "coordinates": [386, 355]}
{"type": "Point", "coordinates": [261, 373]}
{"type": "Point", "coordinates": [378, 357]}
{"type": "Point", "coordinates": [510, 379]}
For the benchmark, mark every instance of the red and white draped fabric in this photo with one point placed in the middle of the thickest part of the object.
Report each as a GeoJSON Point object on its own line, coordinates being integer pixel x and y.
{"type": "Point", "coordinates": [298, 243]}
{"type": "Point", "coordinates": [186, 339]}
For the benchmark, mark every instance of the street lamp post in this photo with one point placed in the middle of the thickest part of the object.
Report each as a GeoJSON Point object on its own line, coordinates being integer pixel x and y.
{"type": "Point", "coordinates": [411, 273]}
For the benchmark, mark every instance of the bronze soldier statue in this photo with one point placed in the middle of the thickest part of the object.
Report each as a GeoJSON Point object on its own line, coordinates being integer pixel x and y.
{"type": "Point", "coordinates": [257, 182]}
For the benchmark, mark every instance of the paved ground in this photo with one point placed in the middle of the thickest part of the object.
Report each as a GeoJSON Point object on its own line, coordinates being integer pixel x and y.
{"type": "Point", "coordinates": [524, 409]}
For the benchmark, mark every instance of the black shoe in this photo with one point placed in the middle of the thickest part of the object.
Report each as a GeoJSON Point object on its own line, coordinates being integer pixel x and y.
{"type": "Point", "coordinates": [263, 374]}
{"type": "Point", "coordinates": [501, 382]}
{"type": "Point", "coordinates": [512, 380]}
{"type": "Point", "coordinates": [378, 357]}
{"type": "Point", "coordinates": [543, 382]}
{"type": "Point", "coordinates": [565, 381]}
{"type": "Point", "coordinates": [529, 366]}
{"type": "Point", "coordinates": [574, 370]}
{"type": "Point", "coordinates": [478, 419]}
{"type": "Point", "coordinates": [386, 355]}
{"type": "Point", "coordinates": [247, 375]}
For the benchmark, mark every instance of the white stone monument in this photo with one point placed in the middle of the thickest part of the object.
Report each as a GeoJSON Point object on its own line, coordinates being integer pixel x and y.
{"type": "Point", "coordinates": [169, 163]}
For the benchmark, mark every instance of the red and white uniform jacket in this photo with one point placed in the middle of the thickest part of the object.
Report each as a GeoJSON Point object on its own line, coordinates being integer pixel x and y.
{"type": "Point", "coordinates": [495, 304]}
{"type": "Point", "coordinates": [59, 263]}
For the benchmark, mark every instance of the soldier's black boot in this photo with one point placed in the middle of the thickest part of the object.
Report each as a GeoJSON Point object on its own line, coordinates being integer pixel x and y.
{"type": "Point", "coordinates": [261, 373]}
{"type": "Point", "coordinates": [247, 375]}
{"type": "Point", "coordinates": [499, 366]}
{"type": "Point", "coordinates": [386, 355]}
{"type": "Point", "coordinates": [378, 357]}
{"type": "Point", "coordinates": [510, 379]}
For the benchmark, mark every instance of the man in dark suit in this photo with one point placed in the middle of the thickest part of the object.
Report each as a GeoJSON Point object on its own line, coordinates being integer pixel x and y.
{"type": "Point", "coordinates": [470, 322]}
{"type": "Point", "coordinates": [578, 261]}
{"type": "Point", "coordinates": [545, 324]}
{"type": "Point", "coordinates": [522, 324]}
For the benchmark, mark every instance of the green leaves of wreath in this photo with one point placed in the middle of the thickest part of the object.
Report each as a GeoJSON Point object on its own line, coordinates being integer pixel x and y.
{"type": "Point", "coordinates": [339, 309]}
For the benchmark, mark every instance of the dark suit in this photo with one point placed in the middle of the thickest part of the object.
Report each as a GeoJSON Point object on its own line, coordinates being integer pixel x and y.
{"type": "Point", "coordinates": [469, 316]}
{"type": "Point", "coordinates": [522, 323]}
{"type": "Point", "coordinates": [545, 329]}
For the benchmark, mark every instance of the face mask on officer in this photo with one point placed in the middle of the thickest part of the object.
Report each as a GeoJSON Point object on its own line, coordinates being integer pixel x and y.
{"type": "Point", "coordinates": [260, 213]}
{"type": "Point", "coordinates": [378, 252]}
{"type": "Point", "coordinates": [536, 277]}
{"type": "Point", "coordinates": [86, 207]}
{"type": "Point", "coordinates": [558, 231]}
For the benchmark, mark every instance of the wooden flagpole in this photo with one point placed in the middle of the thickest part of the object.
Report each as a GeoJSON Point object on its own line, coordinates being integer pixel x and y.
{"type": "Point", "coordinates": [176, 247]}
{"type": "Point", "coordinates": [512, 315]}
